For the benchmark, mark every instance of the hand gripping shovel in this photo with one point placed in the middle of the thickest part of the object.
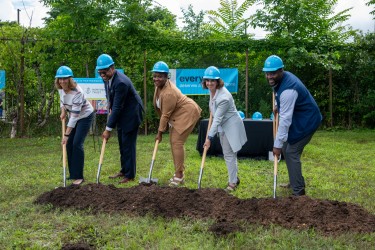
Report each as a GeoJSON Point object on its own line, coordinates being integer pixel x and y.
{"type": "Point", "coordinates": [63, 152]}
{"type": "Point", "coordinates": [204, 154]}
{"type": "Point", "coordinates": [100, 161]}
{"type": "Point", "coordinates": [148, 180]}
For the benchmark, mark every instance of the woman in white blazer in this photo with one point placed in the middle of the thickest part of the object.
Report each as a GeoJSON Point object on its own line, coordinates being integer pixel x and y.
{"type": "Point", "coordinates": [226, 122]}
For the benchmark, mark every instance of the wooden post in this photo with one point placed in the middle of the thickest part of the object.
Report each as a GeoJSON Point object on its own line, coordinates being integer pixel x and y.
{"type": "Point", "coordinates": [247, 83]}
{"type": "Point", "coordinates": [145, 87]}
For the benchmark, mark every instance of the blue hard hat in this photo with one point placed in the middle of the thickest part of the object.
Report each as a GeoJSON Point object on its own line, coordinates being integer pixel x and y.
{"type": "Point", "coordinates": [241, 114]}
{"type": "Point", "coordinates": [211, 73]}
{"type": "Point", "coordinates": [160, 67]}
{"type": "Point", "coordinates": [257, 116]}
{"type": "Point", "coordinates": [104, 61]}
{"type": "Point", "coordinates": [273, 63]}
{"type": "Point", "coordinates": [63, 72]}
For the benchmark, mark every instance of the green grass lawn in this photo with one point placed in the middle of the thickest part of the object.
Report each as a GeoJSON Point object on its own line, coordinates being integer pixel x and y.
{"type": "Point", "coordinates": [336, 165]}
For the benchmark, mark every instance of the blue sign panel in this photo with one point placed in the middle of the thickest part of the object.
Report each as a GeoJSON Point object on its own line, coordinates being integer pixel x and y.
{"type": "Point", "coordinates": [2, 79]}
{"type": "Point", "coordinates": [189, 81]}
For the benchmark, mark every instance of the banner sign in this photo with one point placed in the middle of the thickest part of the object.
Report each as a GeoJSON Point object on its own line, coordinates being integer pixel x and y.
{"type": "Point", "coordinates": [189, 81]}
{"type": "Point", "coordinates": [94, 92]}
{"type": "Point", "coordinates": [2, 79]}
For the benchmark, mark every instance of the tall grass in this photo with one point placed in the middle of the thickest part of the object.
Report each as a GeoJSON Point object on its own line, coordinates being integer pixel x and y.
{"type": "Point", "coordinates": [337, 166]}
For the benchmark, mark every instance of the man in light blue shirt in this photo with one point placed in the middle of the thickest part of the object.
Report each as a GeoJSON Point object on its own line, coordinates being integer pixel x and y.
{"type": "Point", "coordinates": [299, 118]}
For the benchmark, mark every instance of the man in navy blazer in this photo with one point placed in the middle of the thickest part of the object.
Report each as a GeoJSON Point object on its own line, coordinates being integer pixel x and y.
{"type": "Point", "coordinates": [125, 111]}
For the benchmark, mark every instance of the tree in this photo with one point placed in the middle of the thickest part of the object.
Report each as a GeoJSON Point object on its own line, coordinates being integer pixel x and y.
{"type": "Point", "coordinates": [193, 23]}
{"type": "Point", "coordinates": [371, 2]}
{"type": "Point", "coordinates": [311, 28]}
{"type": "Point", "coordinates": [229, 20]}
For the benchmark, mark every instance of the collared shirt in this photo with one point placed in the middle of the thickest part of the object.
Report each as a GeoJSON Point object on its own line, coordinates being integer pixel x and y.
{"type": "Point", "coordinates": [287, 102]}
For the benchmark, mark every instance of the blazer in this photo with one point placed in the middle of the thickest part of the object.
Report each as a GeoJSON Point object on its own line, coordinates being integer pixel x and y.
{"type": "Point", "coordinates": [124, 102]}
{"type": "Point", "coordinates": [225, 114]}
{"type": "Point", "coordinates": [180, 111]}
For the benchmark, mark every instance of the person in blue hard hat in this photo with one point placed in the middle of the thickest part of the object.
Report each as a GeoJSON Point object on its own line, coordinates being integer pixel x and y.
{"type": "Point", "coordinates": [178, 113]}
{"type": "Point", "coordinates": [81, 113]}
{"type": "Point", "coordinates": [299, 118]}
{"type": "Point", "coordinates": [226, 122]}
{"type": "Point", "coordinates": [125, 109]}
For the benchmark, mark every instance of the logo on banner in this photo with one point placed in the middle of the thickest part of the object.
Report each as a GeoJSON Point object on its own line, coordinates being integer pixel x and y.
{"type": "Point", "coordinates": [189, 81]}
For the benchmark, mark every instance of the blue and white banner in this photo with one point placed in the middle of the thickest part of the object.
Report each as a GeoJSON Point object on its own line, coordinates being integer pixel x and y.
{"type": "Point", "coordinates": [94, 92]}
{"type": "Point", "coordinates": [92, 87]}
{"type": "Point", "coordinates": [2, 79]}
{"type": "Point", "coordinates": [189, 81]}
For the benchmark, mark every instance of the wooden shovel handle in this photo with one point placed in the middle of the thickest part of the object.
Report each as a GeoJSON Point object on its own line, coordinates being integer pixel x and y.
{"type": "Point", "coordinates": [102, 151]}
{"type": "Point", "coordinates": [155, 150]}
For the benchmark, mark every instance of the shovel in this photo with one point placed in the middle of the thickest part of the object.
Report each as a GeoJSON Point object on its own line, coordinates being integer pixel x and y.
{"type": "Point", "coordinates": [100, 161]}
{"type": "Point", "coordinates": [204, 153]}
{"type": "Point", "coordinates": [64, 152]}
{"type": "Point", "coordinates": [275, 160]}
{"type": "Point", "coordinates": [148, 180]}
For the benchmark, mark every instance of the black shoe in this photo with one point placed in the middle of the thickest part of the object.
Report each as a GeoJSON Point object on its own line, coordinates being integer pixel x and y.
{"type": "Point", "coordinates": [238, 181]}
{"type": "Point", "coordinates": [300, 193]}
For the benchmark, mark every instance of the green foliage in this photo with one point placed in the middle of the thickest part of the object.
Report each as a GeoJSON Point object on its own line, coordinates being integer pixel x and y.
{"type": "Point", "coordinates": [193, 24]}
{"type": "Point", "coordinates": [137, 34]}
{"type": "Point", "coordinates": [229, 20]}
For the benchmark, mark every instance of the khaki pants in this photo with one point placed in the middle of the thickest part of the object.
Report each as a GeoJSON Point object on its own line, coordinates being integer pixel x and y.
{"type": "Point", "coordinates": [177, 142]}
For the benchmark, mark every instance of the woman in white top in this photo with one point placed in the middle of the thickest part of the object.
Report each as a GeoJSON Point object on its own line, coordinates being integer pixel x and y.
{"type": "Point", "coordinates": [226, 122]}
{"type": "Point", "coordinates": [81, 112]}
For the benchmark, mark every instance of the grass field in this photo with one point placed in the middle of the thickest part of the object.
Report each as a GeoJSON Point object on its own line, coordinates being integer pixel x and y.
{"type": "Point", "coordinates": [337, 165]}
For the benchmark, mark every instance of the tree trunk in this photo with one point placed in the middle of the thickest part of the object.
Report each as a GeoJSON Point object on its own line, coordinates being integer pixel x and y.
{"type": "Point", "coordinates": [42, 95]}
{"type": "Point", "coordinates": [22, 89]}
{"type": "Point", "coordinates": [49, 106]}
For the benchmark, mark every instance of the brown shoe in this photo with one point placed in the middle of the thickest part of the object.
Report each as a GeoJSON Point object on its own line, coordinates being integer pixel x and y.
{"type": "Point", "coordinates": [126, 180]}
{"type": "Point", "coordinates": [285, 185]}
{"type": "Point", "coordinates": [118, 175]}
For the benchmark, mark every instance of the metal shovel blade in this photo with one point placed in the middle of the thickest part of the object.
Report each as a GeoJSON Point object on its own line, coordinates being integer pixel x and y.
{"type": "Point", "coordinates": [149, 180]}
{"type": "Point", "coordinates": [146, 181]}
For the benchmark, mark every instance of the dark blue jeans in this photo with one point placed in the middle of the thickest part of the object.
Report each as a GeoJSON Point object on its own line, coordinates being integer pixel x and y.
{"type": "Point", "coordinates": [74, 147]}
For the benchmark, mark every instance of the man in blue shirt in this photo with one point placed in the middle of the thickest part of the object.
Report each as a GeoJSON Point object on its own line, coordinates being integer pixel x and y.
{"type": "Point", "coordinates": [299, 118]}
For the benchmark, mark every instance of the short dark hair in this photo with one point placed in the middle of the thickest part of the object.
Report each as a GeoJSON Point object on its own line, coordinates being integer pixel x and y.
{"type": "Point", "coordinates": [219, 85]}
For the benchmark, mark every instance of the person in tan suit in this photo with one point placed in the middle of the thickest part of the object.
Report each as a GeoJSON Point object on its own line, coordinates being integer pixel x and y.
{"type": "Point", "coordinates": [178, 113]}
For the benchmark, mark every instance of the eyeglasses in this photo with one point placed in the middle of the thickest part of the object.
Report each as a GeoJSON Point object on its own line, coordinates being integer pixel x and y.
{"type": "Point", "coordinates": [103, 71]}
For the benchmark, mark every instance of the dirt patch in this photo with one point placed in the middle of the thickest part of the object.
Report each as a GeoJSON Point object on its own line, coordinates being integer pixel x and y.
{"type": "Point", "coordinates": [77, 246]}
{"type": "Point", "coordinates": [325, 216]}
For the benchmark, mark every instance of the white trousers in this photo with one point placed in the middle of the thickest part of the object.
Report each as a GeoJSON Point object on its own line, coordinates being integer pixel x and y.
{"type": "Point", "coordinates": [230, 158]}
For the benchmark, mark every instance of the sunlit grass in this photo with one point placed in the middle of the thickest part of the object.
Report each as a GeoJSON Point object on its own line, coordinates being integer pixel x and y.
{"type": "Point", "coordinates": [336, 165]}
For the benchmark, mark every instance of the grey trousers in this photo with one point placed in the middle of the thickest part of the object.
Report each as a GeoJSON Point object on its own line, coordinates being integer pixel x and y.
{"type": "Point", "coordinates": [230, 158]}
{"type": "Point", "coordinates": [292, 154]}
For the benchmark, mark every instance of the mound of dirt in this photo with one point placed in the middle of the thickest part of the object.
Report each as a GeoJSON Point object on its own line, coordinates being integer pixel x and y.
{"type": "Point", "coordinates": [325, 216]}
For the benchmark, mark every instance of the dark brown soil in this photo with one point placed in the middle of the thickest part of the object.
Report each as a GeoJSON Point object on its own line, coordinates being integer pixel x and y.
{"type": "Point", "coordinates": [229, 212]}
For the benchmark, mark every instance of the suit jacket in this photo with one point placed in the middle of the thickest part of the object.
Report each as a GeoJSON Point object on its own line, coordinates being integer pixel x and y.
{"type": "Point", "coordinates": [175, 108]}
{"type": "Point", "coordinates": [124, 102]}
{"type": "Point", "coordinates": [225, 114]}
